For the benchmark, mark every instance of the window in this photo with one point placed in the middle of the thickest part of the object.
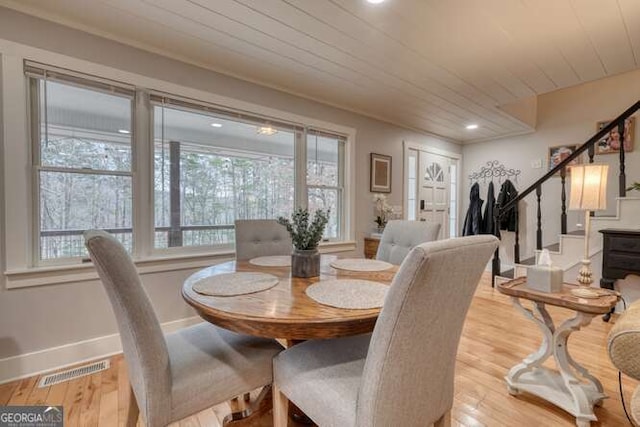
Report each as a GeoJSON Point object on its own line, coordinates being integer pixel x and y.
{"type": "Point", "coordinates": [194, 167]}
{"type": "Point", "coordinates": [453, 201]}
{"type": "Point", "coordinates": [82, 162]}
{"type": "Point", "coordinates": [212, 170]}
{"type": "Point", "coordinates": [412, 184]}
{"type": "Point", "coordinates": [325, 177]}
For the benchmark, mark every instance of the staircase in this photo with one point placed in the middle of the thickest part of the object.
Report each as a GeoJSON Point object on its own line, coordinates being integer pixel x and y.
{"type": "Point", "coordinates": [520, 269]}
{"type": "Point", "coordinates": [568, 252]}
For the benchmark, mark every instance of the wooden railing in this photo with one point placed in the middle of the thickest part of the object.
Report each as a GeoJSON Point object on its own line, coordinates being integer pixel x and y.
{"type": "Point", "coordinates": [561, 168]}
{"type": "Point", "coordinates": [70, 243]}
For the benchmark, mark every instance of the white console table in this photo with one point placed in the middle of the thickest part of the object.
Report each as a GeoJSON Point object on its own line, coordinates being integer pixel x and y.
{"type": "Point", "coordinates": [570, 387]}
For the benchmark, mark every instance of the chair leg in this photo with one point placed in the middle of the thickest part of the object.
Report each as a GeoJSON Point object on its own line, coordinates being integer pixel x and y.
{"type": "Point", "coordinates": [280, 408]}
{"type": "Point", "coordinates": [133, 411]}
{"type": "Point", "coordinates": [444, 420]}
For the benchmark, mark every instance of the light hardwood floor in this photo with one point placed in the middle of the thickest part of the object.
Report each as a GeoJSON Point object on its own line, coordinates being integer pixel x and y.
{"type": "Point", "coordinates": [495, 338]}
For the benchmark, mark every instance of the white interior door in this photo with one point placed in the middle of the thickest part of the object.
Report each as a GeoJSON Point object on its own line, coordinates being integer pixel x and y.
{"type": "Point", "coordinates": [436, 197]}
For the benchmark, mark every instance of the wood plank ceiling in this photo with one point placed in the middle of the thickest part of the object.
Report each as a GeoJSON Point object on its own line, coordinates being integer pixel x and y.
{"type": "Point", "coordinates": [430, 65]}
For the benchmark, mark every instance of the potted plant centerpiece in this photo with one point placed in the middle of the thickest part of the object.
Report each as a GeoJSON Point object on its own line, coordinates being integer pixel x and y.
{"type": "Point", "coordinates": [305, 235]}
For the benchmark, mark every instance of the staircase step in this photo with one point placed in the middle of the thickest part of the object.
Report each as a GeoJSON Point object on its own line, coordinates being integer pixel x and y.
{"type": "Point", "coordinates": [528, 261]}
{"type": "Point", "coordinates": [532, 260]}
{"type": "Point", "coordinates": [553, 248]}
{"type": "Point", "coordinates": [509, 273]}
{"type": "Point", "coordinates": [568, 252]}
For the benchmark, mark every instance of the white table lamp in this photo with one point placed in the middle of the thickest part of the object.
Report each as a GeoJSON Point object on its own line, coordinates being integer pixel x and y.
{"type": "Point", "coordinates": [588, 193]}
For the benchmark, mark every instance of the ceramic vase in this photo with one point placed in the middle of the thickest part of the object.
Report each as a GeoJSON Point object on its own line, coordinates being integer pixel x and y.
{"type": "Point", "coordinates": [305, 263]}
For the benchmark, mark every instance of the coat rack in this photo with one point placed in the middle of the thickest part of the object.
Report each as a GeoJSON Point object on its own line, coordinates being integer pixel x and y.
{"type": "Point", "coordinates": [494, 169]}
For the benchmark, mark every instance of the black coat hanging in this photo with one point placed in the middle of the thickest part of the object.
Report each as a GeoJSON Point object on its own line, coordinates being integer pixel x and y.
{"type": "Point", "coordinates": [489, 210]}
{"type": "Point", "coordinates": [509, 218]}
{"type": "Point", "coordinates": [473, 220]}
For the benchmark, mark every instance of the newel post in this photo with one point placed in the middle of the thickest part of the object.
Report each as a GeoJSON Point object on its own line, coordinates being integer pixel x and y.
{"type": "Point", "coordinates": [623, 177]}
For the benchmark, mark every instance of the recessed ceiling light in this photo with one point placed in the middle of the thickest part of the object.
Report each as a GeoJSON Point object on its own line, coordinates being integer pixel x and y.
{"type": "Point", "coordinates": [472, 126]}
{"type": "Point", "coordinates": [216, 125]}
{"type": "Point", "coordinates": [375, 1]}
{"type": "Point", "coordinates": [126, 132]}
{"type": "Point", "coordinates": [266, 130]}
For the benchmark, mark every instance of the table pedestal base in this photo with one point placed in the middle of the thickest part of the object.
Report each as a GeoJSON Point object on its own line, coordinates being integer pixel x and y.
{"type": "Point", "coordinates": [245, 413]}
{"type": "Point", "coordinates": [571, 387]}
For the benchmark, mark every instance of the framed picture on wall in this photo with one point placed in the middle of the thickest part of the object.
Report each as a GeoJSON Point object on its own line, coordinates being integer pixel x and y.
{"type": "Point", "coordinates": [610, 143]}
{"type": "Point", "coordinates": [380, 173]}
{"type": "Point", "coordinates": [560, 152]}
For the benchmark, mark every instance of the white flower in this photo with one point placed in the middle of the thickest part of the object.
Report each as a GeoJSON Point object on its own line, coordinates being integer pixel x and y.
{"type": "Point", "coordinates": [379, 198]}
{"type": "Point", "coordinates": [382, 207]}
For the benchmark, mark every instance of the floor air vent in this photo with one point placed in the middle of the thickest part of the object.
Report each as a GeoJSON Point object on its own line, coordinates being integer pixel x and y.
{"type": "Point", "coordinates": [74, 373]}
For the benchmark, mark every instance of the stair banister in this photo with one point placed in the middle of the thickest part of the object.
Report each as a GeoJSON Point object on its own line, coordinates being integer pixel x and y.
{"type": "Point", "coordinates": [588, 146]}
{"type": "Point", "coordinates": [566, 162]}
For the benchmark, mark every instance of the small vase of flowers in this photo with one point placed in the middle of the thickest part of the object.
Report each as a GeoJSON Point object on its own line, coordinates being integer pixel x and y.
{"type": "Point", "coordinates": [305, 235]}
{"type": "Point", "coordinates": [382, 211]}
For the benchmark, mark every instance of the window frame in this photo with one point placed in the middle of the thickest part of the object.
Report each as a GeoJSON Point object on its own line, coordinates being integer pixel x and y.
{"type": "Point", "coordinates": [34, 76]}
{"type": "Point", "coordinates": [301, 186]}
{"type": "Point", "coordinates": [19, 271]}
{"type": "Point", "coordinates": [340, 187]}
{"type": "Point", "coordinates": [20, 268]}
{"type": "Point", "coordinates": [410, 156]}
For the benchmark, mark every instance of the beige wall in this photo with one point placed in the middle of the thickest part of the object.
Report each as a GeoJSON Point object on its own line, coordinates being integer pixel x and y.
{"type": "Point", "coordinates": [565, 116]}
{"type": "Point", "coordinates": [38, 318]}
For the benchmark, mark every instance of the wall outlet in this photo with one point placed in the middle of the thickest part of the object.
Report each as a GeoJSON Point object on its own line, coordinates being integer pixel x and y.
{"type": "Point", "coordinates": [536, 164]}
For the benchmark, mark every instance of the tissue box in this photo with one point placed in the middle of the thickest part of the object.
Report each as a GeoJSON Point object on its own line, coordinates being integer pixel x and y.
{"type": "Point", "coordinates": [544, 278]}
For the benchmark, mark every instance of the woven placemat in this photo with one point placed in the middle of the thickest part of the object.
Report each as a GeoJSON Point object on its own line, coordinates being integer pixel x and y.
{"type": "Point", "coordinates": [230, 284]}
{"type": "Point", "coordinates": [272, 261]}
{"type": "Point", "coordinates": [360, 264]}
{"type": "Point", "coordinates": [348, 293]}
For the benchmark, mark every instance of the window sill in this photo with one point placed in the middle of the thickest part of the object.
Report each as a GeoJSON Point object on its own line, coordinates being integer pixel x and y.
{"type": "Point", "coordinates": [55, 275]}
{"type": "Point", "coordinates": [334, 247]}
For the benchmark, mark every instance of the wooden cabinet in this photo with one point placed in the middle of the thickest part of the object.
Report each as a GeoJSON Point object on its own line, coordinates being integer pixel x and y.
{"type": "Point", "coordinates": [371, 247]}
{"type": "Point", "coordinates": [620, 256]}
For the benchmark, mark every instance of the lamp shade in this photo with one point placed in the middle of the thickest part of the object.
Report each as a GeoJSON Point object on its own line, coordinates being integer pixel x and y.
{"type": "Point", "coordinates": [589, 187]}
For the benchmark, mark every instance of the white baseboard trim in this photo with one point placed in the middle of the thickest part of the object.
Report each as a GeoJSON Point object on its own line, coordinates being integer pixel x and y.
{"type": "Point", "coordinates": [34, 363]}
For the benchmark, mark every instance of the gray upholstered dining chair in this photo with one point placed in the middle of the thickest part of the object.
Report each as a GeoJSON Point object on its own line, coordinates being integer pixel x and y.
{"type": "Point", "coordinates": [402, 374]}
{"type": "Point", "coordinates": [400, 236]}
{"type": "Point", "coordinates": [184, 372]}
{"type": "Point", "coordinates": [261, 237]}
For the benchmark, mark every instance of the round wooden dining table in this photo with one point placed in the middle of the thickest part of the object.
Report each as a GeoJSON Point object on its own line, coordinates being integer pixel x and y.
{"type": "Point", "coordinates": [284, 311]}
